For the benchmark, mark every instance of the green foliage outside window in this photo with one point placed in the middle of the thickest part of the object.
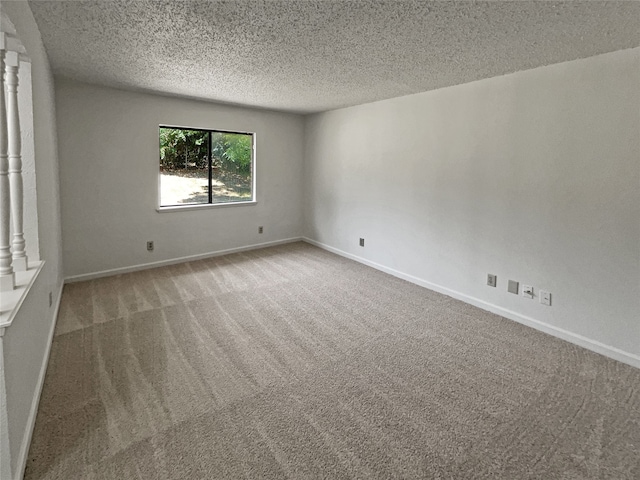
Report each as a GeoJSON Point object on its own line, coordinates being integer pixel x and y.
{"type": "Point", "coordinates": [184, 149]}
{"type": "Point", "coordinates": [232, 150]}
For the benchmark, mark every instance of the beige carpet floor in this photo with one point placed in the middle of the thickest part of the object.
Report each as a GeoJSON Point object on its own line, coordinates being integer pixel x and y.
{"type": "Point", "coordinates": [291, 362]}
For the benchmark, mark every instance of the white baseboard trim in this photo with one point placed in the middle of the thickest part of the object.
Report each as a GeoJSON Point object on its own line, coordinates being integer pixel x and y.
{"type": "Point", "coordinates": [589, 344]}
{"type": "Point", "coordinates": [33, 412]}
{"type": "Point", "coordinates": [173, 261]}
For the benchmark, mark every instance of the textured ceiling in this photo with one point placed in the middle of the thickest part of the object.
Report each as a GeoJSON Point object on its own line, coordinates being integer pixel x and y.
{"type": "Point", "coordinates": [308, 56]}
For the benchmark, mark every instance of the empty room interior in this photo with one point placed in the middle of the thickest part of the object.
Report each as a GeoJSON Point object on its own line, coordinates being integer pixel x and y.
{"type": "Point", "coordinates": [319, 239]}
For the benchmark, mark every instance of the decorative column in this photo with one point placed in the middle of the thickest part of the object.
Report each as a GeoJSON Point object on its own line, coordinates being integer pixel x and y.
{"type": "Point", "coordinates": [15, 162]}
{"type": "Point", "coordinates": [7, 277]}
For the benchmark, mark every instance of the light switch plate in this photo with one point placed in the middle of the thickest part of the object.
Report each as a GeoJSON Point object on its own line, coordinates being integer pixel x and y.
{"type": "Point", "coordinates": [491, 280]}
{"type": "Point", "coordinates": [513, 287]}
{"type": "Point", "coordinates": [527, 291]}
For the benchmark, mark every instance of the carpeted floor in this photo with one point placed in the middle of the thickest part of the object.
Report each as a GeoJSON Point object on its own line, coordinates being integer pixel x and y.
{"type": "Point", "coordinates": [291, 362]}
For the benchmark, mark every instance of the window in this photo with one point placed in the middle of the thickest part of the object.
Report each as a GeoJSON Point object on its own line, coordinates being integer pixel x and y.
{"type": "Point", "coordinates": [205, 167]}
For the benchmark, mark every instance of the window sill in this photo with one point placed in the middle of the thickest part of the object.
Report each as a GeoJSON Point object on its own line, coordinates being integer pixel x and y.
{"type": "Point", "coordinates": [182, 208]}
{"type": "Point", "coordinates": [12, 301]}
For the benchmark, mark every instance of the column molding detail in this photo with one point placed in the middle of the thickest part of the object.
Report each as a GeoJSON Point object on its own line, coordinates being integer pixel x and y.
{"type": "Point", "coordinates": [7, 277]}
{"type": "Point", "coordinates": [15, 162]}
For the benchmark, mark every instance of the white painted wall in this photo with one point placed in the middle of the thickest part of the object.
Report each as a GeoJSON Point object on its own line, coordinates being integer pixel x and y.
{"type": "Point", "coordinates": [108, 142]}
{"type": "Point", "coordinates": [27, 341]}
{"type": "Point", "coordinates": [533, 176]}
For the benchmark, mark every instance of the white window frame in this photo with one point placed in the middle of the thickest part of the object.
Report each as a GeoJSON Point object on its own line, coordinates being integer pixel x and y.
{"type": "Point", "coordinates": [198, 206]}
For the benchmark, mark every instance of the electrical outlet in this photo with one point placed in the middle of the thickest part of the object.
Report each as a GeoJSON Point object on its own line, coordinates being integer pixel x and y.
{"type": "Point", "coordinates": [260, 229]}
{"type": "Point", "coordinates": [527, 291]}
{"type": "Point", "coordinates": [545, 297]}
{"type": "Point", "coordinates": [50, 298]}
{"type": "Point", "coordinates": [513, 287]}
{"type": "Point", "coordinates": [362, 242]}
{"type": "Point", "coordinates": [492, 280]}
{"type": "Point", "coordinates": [150, 246]}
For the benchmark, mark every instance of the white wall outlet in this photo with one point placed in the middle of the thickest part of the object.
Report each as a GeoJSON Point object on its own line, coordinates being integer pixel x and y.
{"type": "Point", "coordinates": [260, 229]}
{"type": "Point", "coordinates": [362, 242]}
{"type": "Point", "coordinates": [545, 297]}
{"type": "Point", "coordinates": [491, 280]}
{"type": "Point", "coordinates": [527, 291]}
{"type": "Point", "coordinates": [150, 246]}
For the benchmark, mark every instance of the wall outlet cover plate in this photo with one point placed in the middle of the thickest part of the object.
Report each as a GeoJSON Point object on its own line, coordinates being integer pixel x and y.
{"type": "Point", "coordinates": [545, 297]}
{"type": "Point", "coordinates": [491, 280]}
{"type": "Point", "coordinates": [527, 291]}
